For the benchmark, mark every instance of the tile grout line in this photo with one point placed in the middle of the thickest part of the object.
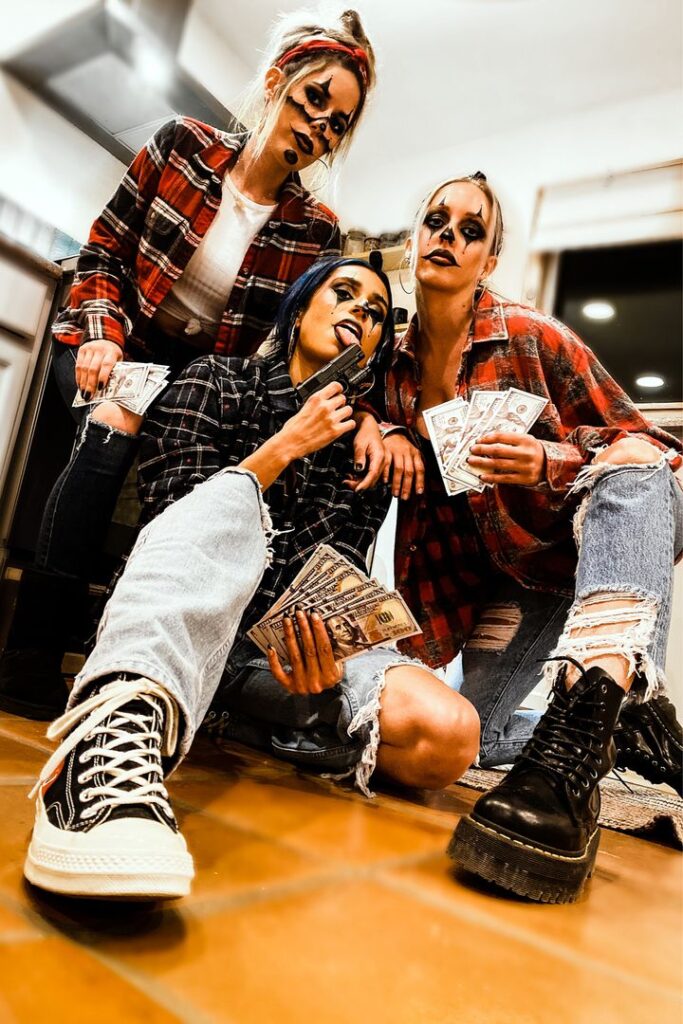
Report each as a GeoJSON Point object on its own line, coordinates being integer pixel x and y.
{"type": "Point", "coordinates": [543, 944]}
{"type": "Point", "coordinates": [183, 1011]}
{"type": "Point", "coordinates": [208, 906]}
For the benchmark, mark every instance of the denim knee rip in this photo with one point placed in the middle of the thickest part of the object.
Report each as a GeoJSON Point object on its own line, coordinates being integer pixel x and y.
{"type": "Point", "coordinates": [367, 719]}
{"type": "Point", "coordinates": [630, 639]}
{"type": "Point", "coordinates": [594, 471]}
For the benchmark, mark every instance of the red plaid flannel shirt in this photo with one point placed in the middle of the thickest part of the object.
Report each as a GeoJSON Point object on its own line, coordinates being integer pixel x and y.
{"type": "Point", "coordinates": [145, 236]}
{"type": "Point", "coordinates": [448, 549]}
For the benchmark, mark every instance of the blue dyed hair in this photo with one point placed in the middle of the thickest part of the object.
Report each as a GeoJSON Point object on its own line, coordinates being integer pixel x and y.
{"type": "Point", "coordinates": [299, 294]}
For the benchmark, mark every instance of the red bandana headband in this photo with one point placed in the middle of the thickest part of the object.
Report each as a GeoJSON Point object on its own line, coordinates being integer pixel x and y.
{"type": "Point", "coordinates": [359, 55]}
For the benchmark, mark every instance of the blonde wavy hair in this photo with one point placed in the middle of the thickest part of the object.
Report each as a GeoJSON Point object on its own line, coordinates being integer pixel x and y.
{"type": "Point", "coordinates": [289, 32]}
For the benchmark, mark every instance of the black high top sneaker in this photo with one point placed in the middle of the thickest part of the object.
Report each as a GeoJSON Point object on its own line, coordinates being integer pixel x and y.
{"type": "Point", "coordinates": [649, 740]}
{"type": "Point", "coordinates": [537, 832]}
{"type": "Point", "coordinates": [104, 825]}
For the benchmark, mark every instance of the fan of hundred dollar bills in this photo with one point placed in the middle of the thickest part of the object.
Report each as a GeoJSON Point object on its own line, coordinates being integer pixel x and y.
{"type": "Point", "coordinates": [359, 612]}
{"type": "Point", "coordinates": [457, 425]}
{"type": "Point", "coordinates": [132, 385]}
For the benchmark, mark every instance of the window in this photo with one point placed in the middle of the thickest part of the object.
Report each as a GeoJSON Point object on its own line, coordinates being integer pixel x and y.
{"type": "Point", "coordinates": [626, 303]}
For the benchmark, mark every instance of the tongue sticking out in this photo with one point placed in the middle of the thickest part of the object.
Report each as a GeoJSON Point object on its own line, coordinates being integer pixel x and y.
{"type": "Point", "coordinates": [345, 335]}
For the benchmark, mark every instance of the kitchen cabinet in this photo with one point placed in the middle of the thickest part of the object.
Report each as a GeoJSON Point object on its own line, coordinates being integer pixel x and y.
{"type": "Point", "coordinates": [28, 283]}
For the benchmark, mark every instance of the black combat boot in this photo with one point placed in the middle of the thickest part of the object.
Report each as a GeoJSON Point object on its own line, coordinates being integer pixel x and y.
{"type": "Point", "coordinates": [649, 740]}
{"type": "Point", "coordinates": [49, 609]}
{"type": "Point", "coordinates": [537, 832]}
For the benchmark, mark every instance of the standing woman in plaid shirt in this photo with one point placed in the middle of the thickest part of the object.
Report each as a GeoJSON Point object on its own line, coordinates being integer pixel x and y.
{"type": "Point", "coordinates": [500, 576]}
{"type": "Point", "coordinates": [191, 255]}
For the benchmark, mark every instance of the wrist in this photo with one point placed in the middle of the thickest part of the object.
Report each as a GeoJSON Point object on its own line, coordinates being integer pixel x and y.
{"type": "Point", "coordinates": [283, 449]}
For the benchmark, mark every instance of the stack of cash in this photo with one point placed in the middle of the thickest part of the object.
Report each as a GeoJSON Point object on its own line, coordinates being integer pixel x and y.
{"type": "Point", "coordinates": [359, 612]}
{"type": "Point", "coordinates": [132, 385]}
{"type": "Point", "coordinates": [455, 426]}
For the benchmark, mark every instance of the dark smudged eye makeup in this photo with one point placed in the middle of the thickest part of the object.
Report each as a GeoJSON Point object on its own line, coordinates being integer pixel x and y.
{"type": "Point", "coordinates": [436, 219]}
{"type": "Point", "coordinates": [473, 232]}
{"type": "Point", "coordinates": [376, 314]}
{"type": "Point", "coordinates": [317, 99]}
{"type": "Point", "coordinates": [314, 97]}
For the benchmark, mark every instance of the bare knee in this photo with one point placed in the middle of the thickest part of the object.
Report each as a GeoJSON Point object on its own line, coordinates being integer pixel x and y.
{"type": "Point", "coordinates": [114, 415]}
{"type": "Point", "coordinates": [439, 728]}
{"type": "Point", "coordinates": [629, 451]}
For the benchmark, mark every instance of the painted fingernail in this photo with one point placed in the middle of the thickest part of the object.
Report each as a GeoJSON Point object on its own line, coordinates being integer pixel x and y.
{"type": "Point", "coordinates": [100, 385]}
{"type": "Point", "coordinates": [87, 396]}
{"type": "Point", "coordinates": [270, 647]}
{"type": "Point", "coordinates": [359, 467]}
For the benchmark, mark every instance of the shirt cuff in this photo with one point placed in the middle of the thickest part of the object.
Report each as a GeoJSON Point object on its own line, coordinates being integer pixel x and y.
{"type": "Point", "coordinates": [99, 327]}
{"type": "Point", "coordinates": [562, 464]}
{"type": "Point", "coordinates": [391, 428]}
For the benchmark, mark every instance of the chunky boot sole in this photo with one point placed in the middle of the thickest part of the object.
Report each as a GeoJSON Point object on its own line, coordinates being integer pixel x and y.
{"type": "Point", "coordinates": [516, 865]}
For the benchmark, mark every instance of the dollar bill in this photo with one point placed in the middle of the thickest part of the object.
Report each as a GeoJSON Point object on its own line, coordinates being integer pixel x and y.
{"type": "Point", "coordinates": [370, 624]}
{"type": "Point", "coordinates": [514, 414]}
{"type": "Point", "coordinates": [359, 612]}
{"type": "Point", "coordinates": [444, 424]}
{"type": "Point", "coordinates": [133, 385]}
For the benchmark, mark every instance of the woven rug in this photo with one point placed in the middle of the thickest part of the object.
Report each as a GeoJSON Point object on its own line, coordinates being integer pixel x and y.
{"type": "Point", "coordinates": [647, 811]}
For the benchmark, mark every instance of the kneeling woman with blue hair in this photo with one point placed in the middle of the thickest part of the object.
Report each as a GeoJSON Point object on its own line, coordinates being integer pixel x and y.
{"type": "Point", "coordinates": [208, 565]}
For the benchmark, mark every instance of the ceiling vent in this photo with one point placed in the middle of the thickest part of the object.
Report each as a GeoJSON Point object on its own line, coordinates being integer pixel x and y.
{"type": "Point", "coordinates": [112, 71]}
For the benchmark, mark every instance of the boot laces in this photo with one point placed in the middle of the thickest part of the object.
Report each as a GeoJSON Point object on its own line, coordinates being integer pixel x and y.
{"type": "Point", "coordinates": [568, 747]}
{"type": "Point", "coordinates": [127, 744]}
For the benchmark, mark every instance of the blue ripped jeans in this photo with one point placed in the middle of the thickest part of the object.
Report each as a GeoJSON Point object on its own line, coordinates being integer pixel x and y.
{"type": "Point", "coordinates": [629, 530]}
{"type": "Point", "coordinates": [173, 618]}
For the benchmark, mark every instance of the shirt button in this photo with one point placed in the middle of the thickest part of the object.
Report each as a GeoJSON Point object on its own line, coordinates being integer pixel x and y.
{"type": "Point", "coordinates": [413, 547]}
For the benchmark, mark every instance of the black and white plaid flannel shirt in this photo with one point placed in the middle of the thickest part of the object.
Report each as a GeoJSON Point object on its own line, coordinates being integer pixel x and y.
{"type": "Point", "coordinates": [216, 414]}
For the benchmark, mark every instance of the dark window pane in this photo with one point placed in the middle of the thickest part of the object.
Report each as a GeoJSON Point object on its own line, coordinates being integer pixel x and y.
{"type": "Point", "coordinates": [643, 285]}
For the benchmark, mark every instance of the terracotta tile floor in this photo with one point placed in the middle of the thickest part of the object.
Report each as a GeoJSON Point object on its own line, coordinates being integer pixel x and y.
{"type": "Point", "coordinates": [312, 904]}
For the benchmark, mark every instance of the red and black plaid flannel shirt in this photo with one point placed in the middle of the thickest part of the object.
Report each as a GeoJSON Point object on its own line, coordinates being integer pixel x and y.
{"type": "Point", "coordinates": [448, 549]}
{"type": "Point", "coordinates": [143, 240]}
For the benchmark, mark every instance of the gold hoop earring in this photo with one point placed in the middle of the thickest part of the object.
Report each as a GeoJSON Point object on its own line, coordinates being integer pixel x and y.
{"type": "Point", "coordinates": [403, 265]}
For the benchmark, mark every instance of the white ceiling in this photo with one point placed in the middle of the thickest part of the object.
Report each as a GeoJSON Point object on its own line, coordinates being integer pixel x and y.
{"type": "Point", "coordinates": [452, 71]}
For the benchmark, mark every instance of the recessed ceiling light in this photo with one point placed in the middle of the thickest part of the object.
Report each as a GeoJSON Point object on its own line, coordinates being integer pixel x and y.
{"type": "Point", "coordinates": [650, 380]}
{"type": "Point", "coordinates": [598, 310]}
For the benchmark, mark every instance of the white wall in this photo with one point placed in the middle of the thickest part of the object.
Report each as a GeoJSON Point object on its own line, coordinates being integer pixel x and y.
{"type": "Point", "coordinates": [205, 54]}
{"type": "Point", "coordinates": [49, 167]}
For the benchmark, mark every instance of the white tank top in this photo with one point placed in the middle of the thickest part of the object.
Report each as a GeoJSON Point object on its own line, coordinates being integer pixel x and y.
{"type": "Point", "coordinates": [200, 295]}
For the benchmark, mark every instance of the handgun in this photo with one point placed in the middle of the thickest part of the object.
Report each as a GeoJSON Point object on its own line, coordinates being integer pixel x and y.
{"type": "Point", "coordinates": [343, 368]}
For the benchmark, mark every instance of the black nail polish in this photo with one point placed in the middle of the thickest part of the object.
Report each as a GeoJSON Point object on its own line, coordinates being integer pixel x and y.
{"type": "Point", "coordinates": [87, 396]}
{"type": "Point", "coordinates": [358, 467]}
{"type": "Point", "coordinates": [270, 647]}
{"type": "Point", "coordinates": [100, 385]}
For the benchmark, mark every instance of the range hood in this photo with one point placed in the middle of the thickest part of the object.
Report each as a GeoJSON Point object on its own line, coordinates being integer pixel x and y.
{"type": "Point", "coordinates": [112, 71]}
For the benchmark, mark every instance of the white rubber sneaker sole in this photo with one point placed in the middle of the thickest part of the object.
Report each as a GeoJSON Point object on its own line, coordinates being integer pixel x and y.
{"type": "Point", "coordinates": [129, 858]}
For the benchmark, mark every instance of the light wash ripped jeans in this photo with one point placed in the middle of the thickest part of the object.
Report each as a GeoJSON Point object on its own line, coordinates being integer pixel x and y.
{"type": "Point", "coordinates": [173, 618]}
{"type": "Point", "coordinates": [628, 531]}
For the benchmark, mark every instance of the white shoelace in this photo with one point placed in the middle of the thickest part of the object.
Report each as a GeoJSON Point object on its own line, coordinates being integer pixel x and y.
{"type": "Point", "coordinates": [142, 780]}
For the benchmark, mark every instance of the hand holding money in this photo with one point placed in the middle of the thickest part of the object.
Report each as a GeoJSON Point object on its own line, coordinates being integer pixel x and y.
{"type": "Point", "coordinates": [313, 665]}
{"type": "Point", "coordinates": [458, 427]}
{"type": "Point", "coordinates": [132, 385]}
{"type": "Point", "coordinates": [341, 608]}
{"type": "Point", "coordinates": [507, 458]}
{"type": "Point", "coordinates": [94, 364]}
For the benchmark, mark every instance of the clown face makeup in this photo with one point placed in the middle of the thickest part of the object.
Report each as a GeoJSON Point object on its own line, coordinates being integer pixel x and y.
{"type": "Point", "coordinates": [349, 308]}
{"type": "Point", "coordinates": [454, 240]}
{"type": "Point", "coordinates": [315, 116]}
